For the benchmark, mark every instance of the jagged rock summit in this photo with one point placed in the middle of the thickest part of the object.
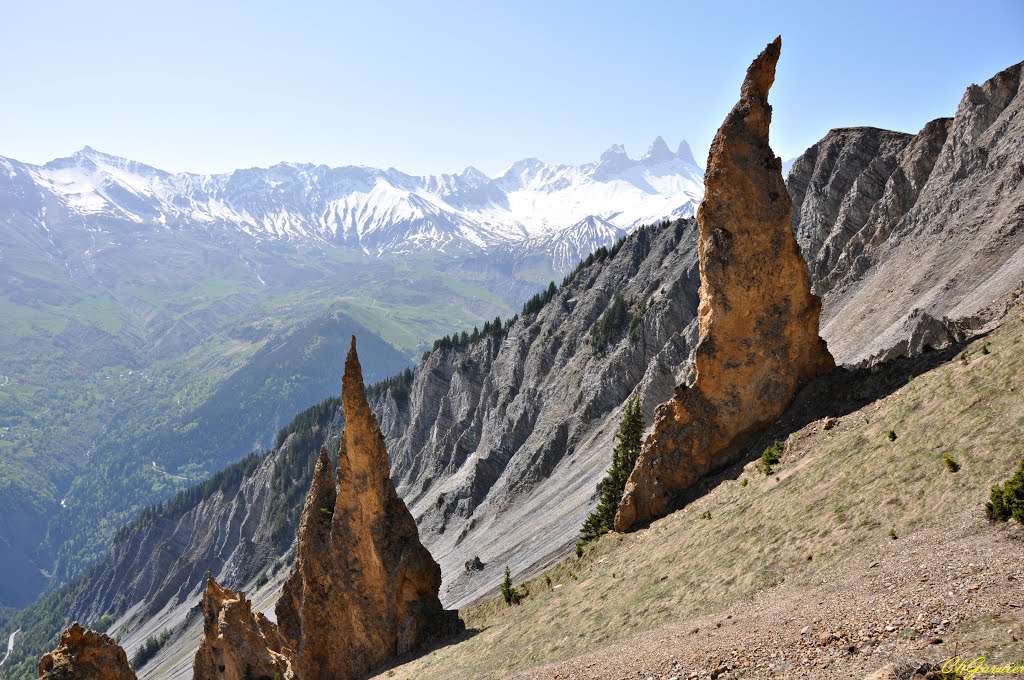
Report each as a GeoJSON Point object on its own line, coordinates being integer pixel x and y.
{"type": "Point", "coordinates": [363, 588]}
{"type": "Point", "coordinates": [758, 320]}
{"type": "Point", "coordinates": [84, 654]}
{"type": "Point", "coordinates": [237, 642]}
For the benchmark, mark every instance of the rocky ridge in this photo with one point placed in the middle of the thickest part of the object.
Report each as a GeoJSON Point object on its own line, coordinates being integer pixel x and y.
{"type": "Point", "coordinates": [84, 654]}
{"type": "Point", "coordinates": [897, 226]}
{"type": "Point", "coordinates": [757, 317]}
{"type": "Point", "coordinates": [229, 533]}
{"type": "Point", "coordinates": [499, 446]}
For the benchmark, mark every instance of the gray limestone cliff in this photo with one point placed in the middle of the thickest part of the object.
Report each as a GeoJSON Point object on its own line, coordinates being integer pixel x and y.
{"type": "Point", "coordinates": [899, 228]}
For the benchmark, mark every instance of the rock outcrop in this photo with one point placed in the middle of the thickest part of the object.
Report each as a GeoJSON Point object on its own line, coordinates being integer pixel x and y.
{"type": "Point", "coordinates": [900, 228]}
{"type": "Point", "coordinates": [237, 644]}
{"type": "Point", "coordinates": [758, 319]}
{"type": "Point", "coordinates": [363, 588]}
{"type": "Point", "coordinates": [84, 654]}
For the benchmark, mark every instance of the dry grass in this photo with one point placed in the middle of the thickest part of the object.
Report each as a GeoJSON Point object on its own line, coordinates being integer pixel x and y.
{"type": "Point", "coordinates": [830, 504]}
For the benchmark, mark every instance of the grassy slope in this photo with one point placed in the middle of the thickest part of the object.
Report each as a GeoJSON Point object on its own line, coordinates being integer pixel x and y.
{"type": "Point", "coordinates": [835, 497]}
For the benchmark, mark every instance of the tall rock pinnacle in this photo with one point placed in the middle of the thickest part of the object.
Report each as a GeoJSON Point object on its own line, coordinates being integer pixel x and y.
{"type": "Point", "coordinates": [84, 654]}
{"type": "Point", "coordinates": [758, 319]}
{"type": "Point", "coordinates": [363, 588]}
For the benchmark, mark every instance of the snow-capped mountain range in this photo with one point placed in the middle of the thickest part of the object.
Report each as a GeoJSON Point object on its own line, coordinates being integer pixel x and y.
{"type": "Point", "coordinates": [563, 210]}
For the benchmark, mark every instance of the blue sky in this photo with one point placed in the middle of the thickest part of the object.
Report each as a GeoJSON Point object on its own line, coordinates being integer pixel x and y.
{"type": "Point", "coordinates": [436, 86]}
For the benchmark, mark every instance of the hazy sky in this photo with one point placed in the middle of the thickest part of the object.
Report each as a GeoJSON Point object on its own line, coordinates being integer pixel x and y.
{"type": "Point", "coordinates": [435, 86]}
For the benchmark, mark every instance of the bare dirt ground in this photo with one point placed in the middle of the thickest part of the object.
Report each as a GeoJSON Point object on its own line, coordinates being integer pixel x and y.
{"type": "Point", "coordinates": [938, 591]}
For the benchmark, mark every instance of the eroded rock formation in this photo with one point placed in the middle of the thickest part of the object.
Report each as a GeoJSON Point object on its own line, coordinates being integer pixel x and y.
{"type": "Point", "coordinates": [237, 643]}
{"type": "Point", "coordinates": [363, 588]}
{"type": "Point", "coordinates": [898, 226]}
{"type": "Point", "coordinates": [84, 654]}
{"type": "Point", "coordinates": [758, 320]}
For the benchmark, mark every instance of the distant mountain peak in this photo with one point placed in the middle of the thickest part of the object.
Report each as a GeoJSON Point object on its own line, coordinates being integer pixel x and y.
{"type": "Point", "coordinates": [613, 161]}
{"type": "Point", "coordinates": [614, 153]}
{"type": "Point", "coordinates": [657, 152]}
{"type": "Point", "coordinates": [685, 154]}
{"type": "Point", "coordinates": [95, 154]}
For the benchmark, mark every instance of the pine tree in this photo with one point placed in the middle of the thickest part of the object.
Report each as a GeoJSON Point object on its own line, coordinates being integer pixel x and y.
{"type": "Point", "coordinates": [630, 439]}
{"type": "Point", "coordinates": [508, 591]}
{"type": "Point", "coordinates": [1007, 499]}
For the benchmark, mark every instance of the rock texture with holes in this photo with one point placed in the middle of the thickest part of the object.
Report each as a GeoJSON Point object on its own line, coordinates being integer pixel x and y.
{"type": "Point", "coordinates": [84, 654]}
{"type": "Point", "coordinates": [237, 643]}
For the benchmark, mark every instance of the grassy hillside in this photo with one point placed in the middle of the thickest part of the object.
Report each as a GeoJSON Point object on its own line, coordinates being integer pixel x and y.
{"type": "Point", "coordinates": [873, 541]}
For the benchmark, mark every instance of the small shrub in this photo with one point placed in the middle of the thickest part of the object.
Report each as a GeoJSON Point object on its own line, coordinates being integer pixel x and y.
{"type": "Point", "coordinates": [262, 580]}
{"type": "Point", "coordinates": [508, 591]}
{"type": "Point", "coordinates": [547, 580]}
{"type": "Point", "coordinates": [706, 514]}
{"type": "Point", "coordinates": [984, 349]}
{"type": "Point", "coordinates": [579, 548]}
{"type": "Point", "coordinates": [1007, 499]}
{"type": "Point", "coordinates": [891, 434]}
{"type": "Point", "coordinates": [950, 463]}
{"type": "Point", "coordinates": [440, 500]}
{"type": "Point", "coordinates": [744, 482]}
{"type": "Point", "coordinates": [892, 534]}
{"type": "Point", "coordinates": [103, 623]}
{"type": "Point", "coordinates": [770, 456]}
{"type": "Point", "coordinates": [963, 358]}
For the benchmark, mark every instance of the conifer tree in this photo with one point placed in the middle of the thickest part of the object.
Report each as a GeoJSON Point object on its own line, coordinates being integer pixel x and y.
{"type": "Point", "coordinates": [508, 591]}
{"type": "Point", "coordinates": [630, 439]}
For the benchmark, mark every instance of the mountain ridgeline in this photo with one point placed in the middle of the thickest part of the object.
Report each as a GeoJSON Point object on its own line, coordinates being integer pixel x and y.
{"type": "Point", "coordinates": [533, 208]}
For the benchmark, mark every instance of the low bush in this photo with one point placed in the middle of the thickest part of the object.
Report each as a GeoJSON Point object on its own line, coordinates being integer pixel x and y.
{"type": "Point", "coordinates": [771, 456]}
{"type": "Point", "coordinates": [950, 462]}
{"type": "Point", "coordinates": [1007, 499]}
